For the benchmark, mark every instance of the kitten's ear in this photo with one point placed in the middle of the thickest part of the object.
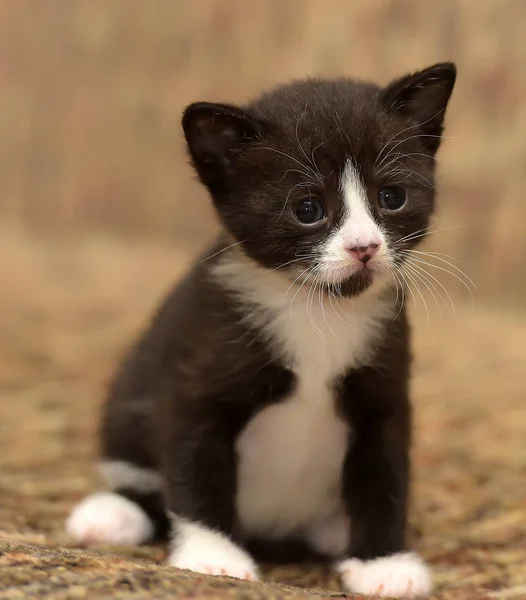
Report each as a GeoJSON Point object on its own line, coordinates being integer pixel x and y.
{"type": "Point", "coordinates": [215, 134]}
{"type": "Point", "coordinates": [423, 97]}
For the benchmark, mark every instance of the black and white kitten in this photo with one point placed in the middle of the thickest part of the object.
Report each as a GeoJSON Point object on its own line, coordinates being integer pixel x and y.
{"type": "Point", "coordinates": [265, 410]}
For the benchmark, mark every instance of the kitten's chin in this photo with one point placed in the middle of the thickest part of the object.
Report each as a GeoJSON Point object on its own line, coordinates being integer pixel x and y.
{"type": "Point", "coordinates": [341, 284]}
{"type": "Point", "coordinates": [354, 285]}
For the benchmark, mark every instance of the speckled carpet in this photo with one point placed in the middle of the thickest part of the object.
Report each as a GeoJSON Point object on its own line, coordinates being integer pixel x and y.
{"type": "Point", "coordinates": [65, 316]}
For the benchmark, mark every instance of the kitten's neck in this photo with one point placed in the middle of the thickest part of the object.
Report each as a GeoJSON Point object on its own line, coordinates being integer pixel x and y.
{"type": "Point", "coordinates": [310, 331]}
{"type": "Point", "coordinates": [258, 286]}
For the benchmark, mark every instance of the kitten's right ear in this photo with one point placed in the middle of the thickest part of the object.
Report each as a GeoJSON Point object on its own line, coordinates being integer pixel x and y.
{"type": "Point", "coordinates": [215, 134]}
{"type": "Point", "coordinates": [423, 98]}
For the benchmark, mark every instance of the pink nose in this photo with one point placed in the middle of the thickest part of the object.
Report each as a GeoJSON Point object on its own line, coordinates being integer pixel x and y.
{"type": "Point", "coordinates": [364, 253]}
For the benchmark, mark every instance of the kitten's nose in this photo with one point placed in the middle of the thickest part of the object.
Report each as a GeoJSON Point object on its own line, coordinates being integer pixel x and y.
{"type": "Point", "coordinates": [364, 253]}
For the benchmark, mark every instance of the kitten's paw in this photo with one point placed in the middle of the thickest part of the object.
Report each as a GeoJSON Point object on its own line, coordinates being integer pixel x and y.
{"type": "Point", "coordinates": [402, 575]}
{"type": "Point", "coordinates": [108, 518]}
{"type": "Point", "coordinates": [205, 551]}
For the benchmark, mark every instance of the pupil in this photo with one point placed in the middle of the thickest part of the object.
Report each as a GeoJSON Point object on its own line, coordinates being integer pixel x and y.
{"type": "Point", "coordinates": [309, 211]}
{"type": "Point", "coordinates": [392, 198]}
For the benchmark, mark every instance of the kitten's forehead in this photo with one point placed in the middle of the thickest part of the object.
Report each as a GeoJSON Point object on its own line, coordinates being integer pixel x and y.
{"type": "Point", "coordinates": [335, 119]}
{"type": "Point", "coordinates": [316, 97]}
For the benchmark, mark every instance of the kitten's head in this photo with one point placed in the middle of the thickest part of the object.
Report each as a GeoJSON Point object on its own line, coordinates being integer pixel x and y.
{"type": "Point", "coordinates": [332, 179]}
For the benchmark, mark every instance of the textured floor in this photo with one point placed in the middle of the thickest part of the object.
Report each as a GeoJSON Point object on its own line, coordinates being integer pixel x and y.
{"type": "Point", "coordinates": [65, 316]}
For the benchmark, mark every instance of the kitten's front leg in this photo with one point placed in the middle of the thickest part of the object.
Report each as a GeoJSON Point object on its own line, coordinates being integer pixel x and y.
{"type": "Point", "coordinates": [200, 475]}
{"type": "Point", "coordinates": [375, 482]}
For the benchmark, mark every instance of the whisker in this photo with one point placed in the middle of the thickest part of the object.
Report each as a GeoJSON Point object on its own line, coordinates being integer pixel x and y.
{"type": "Point", "coordinates": [310, 271]}
{"type": "Point", "coordinates": [413, 174]}
{"type": "Point", "coordinates": [408, 287]}
{"type": "Point", "coordinates": [293, 171]}
{"type": "Point", "coordinates": [451, 273]}
{"type": "Point", "coordinates": [392, 139]}
{"type": "Point", "coordinates": [220, 251]}
{"type": "Point", "coordinates": [313, 161]}
{"type": "Point", "coordinates": [333, 295]}
{"type": "Point", "coordinates": [423, 232]}
{"type": "Point", "coordinates": [310, 171]}
{"type": "Point", "coordinates": [404, 286]}
{"type": "Point", "coordinates": [396, 158]}
{"type": "Point", "coordinates": [289, 262]}
{"type": "Point", "coordinates": [430, 287]}
{"type": "Point", "coordinates": [384, 168]}
{"type": "Point", "coordinates": [417, 289]}
{"type": "Point", "coordinates": [310, 298]}
{"type": "Point", "coordinates": [392, 169]}
{"type": "Point", "coordinates": [300, 117]}
{"type": "Point", "coordinates": [409, 236]}
{"type": "Point", "coordinates": [396, 135]}
{"type": "Point", "coordinates": [321, 294]}
{"type": "Point", "coordinates": [314, 171]}
{"type": "Point", "coordinates": [306, 270]}
{"type": "Point", "coordinates": [426, 181]}
{"type": "Point", "coordinates": [396, 287]}
{"type": "Point", "coordinates": [422, 154]}
{"type": "Point", "coordinates": [401, 285]}
{"type": "Point", "coordinates": [300, 184]}
{"type": "Point", "coordinates": [338, 122]}
{"type": "Point", "coordinates": [443, 260]}
{"type": "Point", "coordinates": [398, 143]}
{"type": "Point", "coordinates": [434, 254]}
{"type": "Point", "coordinates": [429, 275]}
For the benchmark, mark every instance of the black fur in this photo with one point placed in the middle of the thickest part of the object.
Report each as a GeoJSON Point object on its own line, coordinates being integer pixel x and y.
{"type": "Point", "coordinates": [376, 473]}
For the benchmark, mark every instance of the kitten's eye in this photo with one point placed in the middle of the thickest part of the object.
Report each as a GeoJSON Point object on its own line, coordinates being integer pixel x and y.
{"type": "Point", "coordinates": [309, 211]}
{"type": "Point", "coordinates": [392, 198]}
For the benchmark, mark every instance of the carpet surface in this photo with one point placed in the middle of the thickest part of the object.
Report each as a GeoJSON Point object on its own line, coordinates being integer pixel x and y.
{"type": "Point", "coordinates": [66, 315]}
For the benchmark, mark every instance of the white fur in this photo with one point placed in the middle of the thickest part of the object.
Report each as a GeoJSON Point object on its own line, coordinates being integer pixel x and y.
{"type": "Point", "coordinates": [291, 458]}
{"type": "Point", "coordinates": [401, 575]}
{"type": "Point", "coordinates": [203, 550]}
{"type": "Point", "coordinates": [125, 475]}
{"type": "Point", "coordinates": [291, 453]}
{"type": "Point", "coordinates": [358, 229]}
{"type": "Point", "coordinates": [108, 518]}
{"type": "Point", "coordinates": [331, 536]}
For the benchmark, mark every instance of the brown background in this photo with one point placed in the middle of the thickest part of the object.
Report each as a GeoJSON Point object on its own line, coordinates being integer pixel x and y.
{"type": "Point", "coordinates": [92, 91]}
{"type": "Point", "coordinates": [99, 213]}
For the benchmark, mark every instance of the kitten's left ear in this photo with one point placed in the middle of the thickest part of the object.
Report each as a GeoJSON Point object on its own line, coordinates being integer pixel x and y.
{"type": "Point", "coordinates": [423, 97]}
{"type": "Point", "coordinates": [216, 134]}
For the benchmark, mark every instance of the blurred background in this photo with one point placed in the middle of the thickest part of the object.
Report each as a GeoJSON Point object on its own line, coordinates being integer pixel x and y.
{"type": "Point", "coordinates": [92, 93]}
{"type": "Point", "coordinates": [100, 213]}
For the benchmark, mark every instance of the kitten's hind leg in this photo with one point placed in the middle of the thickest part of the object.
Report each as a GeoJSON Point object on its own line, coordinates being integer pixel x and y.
{"type": "Point", "coordinates": [131, 513]}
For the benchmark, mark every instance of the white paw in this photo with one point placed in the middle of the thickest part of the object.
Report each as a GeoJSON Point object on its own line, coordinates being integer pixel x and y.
{"type": "Point", "coordinates": [203, 550]}
{"type": "Point", "coordinates": [402, 575]}
{"type": "Point", "coordinates": [108, 518]}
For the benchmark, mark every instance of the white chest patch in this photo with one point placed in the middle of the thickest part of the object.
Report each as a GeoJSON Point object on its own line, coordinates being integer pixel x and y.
{"type": "Point", "coordinates": [291, 458]}
{"type": "Point", "coordinates": [291, 453]}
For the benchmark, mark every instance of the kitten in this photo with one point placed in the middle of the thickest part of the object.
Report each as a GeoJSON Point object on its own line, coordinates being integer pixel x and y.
{"type": "Point", "coordinates": [266, 408]}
